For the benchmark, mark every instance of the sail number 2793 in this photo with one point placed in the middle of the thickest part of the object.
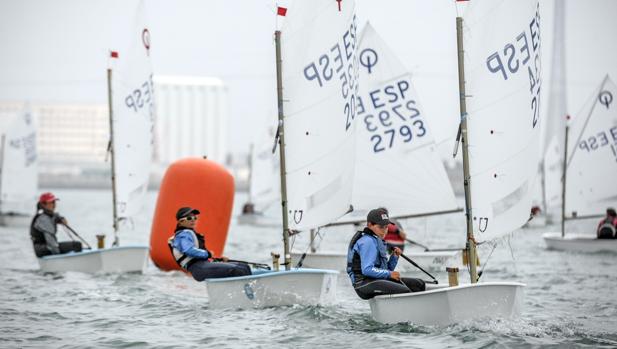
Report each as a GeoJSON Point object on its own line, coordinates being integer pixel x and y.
{"type": "Point", "coordinates": [390, 116]}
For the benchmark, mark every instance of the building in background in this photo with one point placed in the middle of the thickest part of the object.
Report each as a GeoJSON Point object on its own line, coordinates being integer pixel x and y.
{"type": "Point", "coordinates": [192, 120]}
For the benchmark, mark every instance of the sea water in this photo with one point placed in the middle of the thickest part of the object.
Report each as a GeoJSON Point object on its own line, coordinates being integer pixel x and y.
{"type": "Point", "coordinates": [569, 299]}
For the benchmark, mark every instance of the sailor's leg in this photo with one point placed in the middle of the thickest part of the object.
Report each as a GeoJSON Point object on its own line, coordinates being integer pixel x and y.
{"type": "Point", "coordinates": [202, 270]}
{"type": "Point", "coordinates": [415, 285]}
{"type": "Point", "coordinates": [69, 246]}
{"type": "Point", "coordinates": [371, 288]}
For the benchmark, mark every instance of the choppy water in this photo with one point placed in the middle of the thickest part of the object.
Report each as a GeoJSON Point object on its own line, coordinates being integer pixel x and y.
{"type": "Point", "coordinates": [569, 301]}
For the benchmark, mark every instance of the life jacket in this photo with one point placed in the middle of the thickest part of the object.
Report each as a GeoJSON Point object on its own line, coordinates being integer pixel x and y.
{"type": "Point", "coordinates": [393, 236]}
{"type": "Point", "coordinates": [183, 260]}
{"type": "Point", "coordinates": [354, 264]}
{"type": "Point", "coordinates": [43, 231]}
{"type": "Point", "coordinates": [37, 236]}
{"type": "Point", "coordinates": [607, 229]}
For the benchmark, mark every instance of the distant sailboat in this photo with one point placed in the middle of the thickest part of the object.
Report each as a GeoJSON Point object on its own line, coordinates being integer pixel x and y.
{"type": "Point", "coordinates": [18, 168]}
{"type": "Point", "coordinates": [499, 84]}
{"type": "Point", "coordinates": [317, 85]}
{"type": "Point", "coordinates": [590, 170]}
{"type": "Point", "coordinates": [264, 184]}
{"type": "Point", "coordinates": [131, 109]}
{"type": "Point", "coordinates": [397, 163]}
{"type": "Point", "coordinates": [548, 186]}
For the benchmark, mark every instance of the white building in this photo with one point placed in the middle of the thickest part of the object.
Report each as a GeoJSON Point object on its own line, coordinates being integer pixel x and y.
{"type": "Point", "coordinates": [192, 118]}
{"type": "Point", "coordinates": [192, 115]}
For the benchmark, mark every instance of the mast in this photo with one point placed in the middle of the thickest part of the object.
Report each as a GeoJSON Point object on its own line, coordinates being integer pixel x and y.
{"type": "Point", "coordinates": [281, 134]}
{"type": "Point", "coordinates": [250, 179]}
{"type": "Point", "coordinates": [563, 184]}
{"type": "Point", "coordinates": [113, 157]}
{"type": "Point", "coordinates": [2, 147]}
{"type": "Point", "coordinates": [471, 245]}
{"type": "Point", "coordinates": [313, 247]}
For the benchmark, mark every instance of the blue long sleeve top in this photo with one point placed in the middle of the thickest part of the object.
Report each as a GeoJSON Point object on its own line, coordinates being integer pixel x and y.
{"type": "Point", "coordinates": [373, 257]}
{"type": "Point", "coordinates": [185, 243]}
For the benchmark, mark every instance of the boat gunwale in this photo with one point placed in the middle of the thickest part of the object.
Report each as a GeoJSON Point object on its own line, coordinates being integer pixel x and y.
{"type": "Point", "coordinates": [274, 273]}
{"type": "Point", "coordinates": [449, 288]}
{"type": "Point", "coordinates": [89, 252]}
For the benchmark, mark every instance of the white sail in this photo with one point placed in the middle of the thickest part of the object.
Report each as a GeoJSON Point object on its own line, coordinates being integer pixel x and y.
{"type": "Point", "coordinates": [554, 123]}
{"type": "Point", "coordinates": [19, 170]}
{"type": "Point", "coordinates": [502, 71]}
{"type": "Point", "coordinates": [320, 86]}
{"type": "Point", "coordinates": [397, 163]}
{"type": "Point", "coordinates": [265, 184]}
{"type": "Point", "coordinates": [592, 155]}
{"type": "Point", "coordinates": [133, 119]}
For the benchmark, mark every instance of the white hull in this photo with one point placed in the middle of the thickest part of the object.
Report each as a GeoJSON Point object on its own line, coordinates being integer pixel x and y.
{"type": "Point", "coordinates": [431, 260]}
{"type": "Point", "coordinates": [428, 260]}
{"type": "Point", "coordinates": [108, 260]}
{"type": "Point", "coordinates": [15, 220]}
{"type": "Point", "coordinates": [321, 260]}
{"type": "Point", "coordinates": [449, 305]}
{"type": "Point", "coordinates": [271, 289]}
{"type": "Point", "coordinates": [258, 220]}
{"type": "Point", "coordinates": [579, 243]}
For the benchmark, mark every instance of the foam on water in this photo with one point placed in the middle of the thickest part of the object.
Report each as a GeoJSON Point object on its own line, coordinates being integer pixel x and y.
{"type": "Point", "coordinates": [569, 299]}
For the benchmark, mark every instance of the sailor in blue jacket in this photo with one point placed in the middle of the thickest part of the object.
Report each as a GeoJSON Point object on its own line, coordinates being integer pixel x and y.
{"type": "Point", "coordinates": [189, 250]}
{"type": "Point", "coordinates": [369, 268]}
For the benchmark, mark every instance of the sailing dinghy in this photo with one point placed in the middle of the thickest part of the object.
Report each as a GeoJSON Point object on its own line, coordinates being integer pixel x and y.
{"type": "Point", "coordinates": [317, 85]}
{"type": "Point", "coordinates": [18, 168]}
{"type": "Point", "coordinates": [264, 185]}
{"type": "Point", "coordinates": [397, 163]}
{"type": "Point", "coordinates": [131, 116]}
{"type": "Point", "coordinates": [589, 172]}
{"type": "Point", "coordinates": [499, 132]}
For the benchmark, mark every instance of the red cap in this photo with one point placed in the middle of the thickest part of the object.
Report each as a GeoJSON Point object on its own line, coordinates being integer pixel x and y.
{"type": "Point", "coordinates": [47, 197]}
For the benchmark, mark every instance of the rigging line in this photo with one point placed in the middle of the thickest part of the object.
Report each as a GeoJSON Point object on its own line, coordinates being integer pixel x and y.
{"type": "Point", "coordinates": [512, 254]}
{"type": "Point", "coordinates": [486, 262]}
{"type": "Point", "coordinates": [67, 232]}
{"type": "Point", "coordinates": [593, 107]}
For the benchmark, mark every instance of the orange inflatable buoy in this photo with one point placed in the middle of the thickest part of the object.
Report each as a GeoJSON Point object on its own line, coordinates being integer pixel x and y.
{"type": "Point", "coordinates": [197, 183]}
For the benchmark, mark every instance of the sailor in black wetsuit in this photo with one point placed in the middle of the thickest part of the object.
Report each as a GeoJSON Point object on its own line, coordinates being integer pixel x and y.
{"type": "Point", "coordinates": [368, 266]}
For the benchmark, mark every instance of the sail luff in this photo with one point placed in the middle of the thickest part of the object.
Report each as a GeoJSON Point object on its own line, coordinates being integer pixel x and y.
{"type": "Point", "coordinates": [2, 147]}
{"type": "Point", "coordinates": [114, 191]}
{"type": "Point", "coordinates": [563, 183]}
{"type": "Point", "coordinates": [281, 135]}
{"type": "Point", "coordinates": [471, 242]}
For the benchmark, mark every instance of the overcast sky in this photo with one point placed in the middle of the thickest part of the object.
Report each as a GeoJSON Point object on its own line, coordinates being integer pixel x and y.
{"type": "Point", "coordinates": [56, 51]}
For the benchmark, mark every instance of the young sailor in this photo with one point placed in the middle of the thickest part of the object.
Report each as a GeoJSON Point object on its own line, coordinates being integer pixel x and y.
{"type": "Point", "coordinates": [189, 250]}
{"type": "Point", "coordinates": [370, 270]}
{"type": "Point", "coordinates": [44, 227]}
{"type": "Point", "coordinates": [608, 225]}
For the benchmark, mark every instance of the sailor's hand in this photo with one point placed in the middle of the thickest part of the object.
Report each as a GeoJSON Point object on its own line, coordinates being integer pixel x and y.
{"type": "Point", "coordinates": [395, 275]}
{"type": "Point", "coordinates": [224, 259]}
{"type": "Point", "coordinates": [63, 221]}
{"type": "Point", "coordinates": [396, 251]}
